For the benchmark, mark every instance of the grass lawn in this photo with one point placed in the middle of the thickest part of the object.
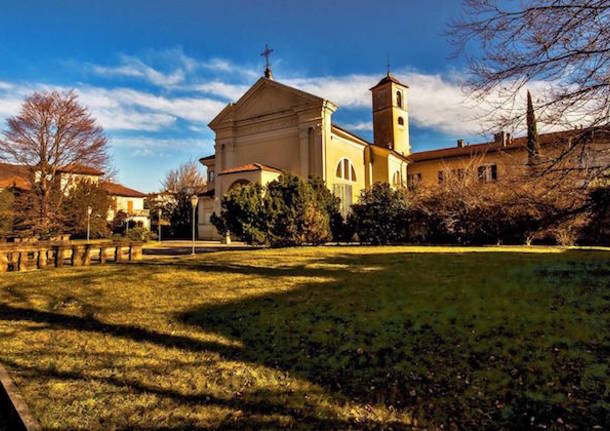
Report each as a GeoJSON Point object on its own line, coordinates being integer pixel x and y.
{"type": "Point", "coordinates": [327, 337]}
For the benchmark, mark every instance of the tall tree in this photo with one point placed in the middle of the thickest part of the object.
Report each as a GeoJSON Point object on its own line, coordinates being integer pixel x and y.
{"type": "Point", "coordinates": [52, 132]}
{"type": "Point", "coordinates": [533, 145]}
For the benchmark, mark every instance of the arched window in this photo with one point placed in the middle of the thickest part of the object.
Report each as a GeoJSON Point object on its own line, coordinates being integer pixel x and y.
{"type": "Point", "coordinates": [396, 179]}
{"type": "Point", "coordinates": [401, 122]}
{"type": "Point", "coordinates": [345, 170]}
{"type": "Point", "coordinates": [399, 99]}
{"type": "Point", "coordinates": [239, 183]}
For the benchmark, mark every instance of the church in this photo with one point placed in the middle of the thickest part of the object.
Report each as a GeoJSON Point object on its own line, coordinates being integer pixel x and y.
{"type": "Point", "coordinates": [274, 127]}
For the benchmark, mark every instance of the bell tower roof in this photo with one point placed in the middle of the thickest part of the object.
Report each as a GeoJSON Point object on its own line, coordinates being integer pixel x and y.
{"type": "Point", "coordinates": [388, 78]}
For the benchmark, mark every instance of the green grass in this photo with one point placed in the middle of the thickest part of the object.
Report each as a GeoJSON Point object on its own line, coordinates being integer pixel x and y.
{"type": "Point", "coordinates": [329, 337]}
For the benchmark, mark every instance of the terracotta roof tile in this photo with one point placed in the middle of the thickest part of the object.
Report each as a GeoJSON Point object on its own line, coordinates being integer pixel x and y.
{"type": "Point", "coordinates": [488, 147]}
{"type": "Point", "coordinates": [250, 167]}
{"type": "Point", "coordinates": [116, 189]}
{"type": "Point", "coordinates": [389, 78]}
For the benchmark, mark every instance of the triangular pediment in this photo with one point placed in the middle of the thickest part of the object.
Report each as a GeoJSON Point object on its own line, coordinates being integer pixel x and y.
{"type": "Point", "coordinates": [263, 98]}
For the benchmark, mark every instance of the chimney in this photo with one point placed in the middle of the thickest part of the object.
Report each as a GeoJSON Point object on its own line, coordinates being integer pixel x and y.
{"type": "Point", "coordinates": [500, 138]}
{"type": "Point", "coordinates": [460, 143]}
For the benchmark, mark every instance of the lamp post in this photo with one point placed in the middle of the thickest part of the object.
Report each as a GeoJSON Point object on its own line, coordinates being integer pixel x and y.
{"type": "Point", "coordinates": [194, 200]}
{"type": "Point", "coordinates": [89, 211]}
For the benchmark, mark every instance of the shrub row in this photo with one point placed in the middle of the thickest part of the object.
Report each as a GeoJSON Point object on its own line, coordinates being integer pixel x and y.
{"type": "Point", "coordinates": [290, 211]}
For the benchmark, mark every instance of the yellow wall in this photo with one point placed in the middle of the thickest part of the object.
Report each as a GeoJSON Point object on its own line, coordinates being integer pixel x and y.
{"type": "Point", "coordinates": [339, 148]}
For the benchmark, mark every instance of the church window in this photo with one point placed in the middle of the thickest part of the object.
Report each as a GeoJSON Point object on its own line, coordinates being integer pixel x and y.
{"type": "Point", "coordinates": [399, 99]}
{"type": "Point", "coordinates": [210, 176]}
{"type": "Point", "coordinates": [401, 122]}
{"type": "Point", "coordinates": [396, 179]}
{"type": "Point", "coordinates": [345, 170]}
{"type": "Point", "coordinates": [343, 189]}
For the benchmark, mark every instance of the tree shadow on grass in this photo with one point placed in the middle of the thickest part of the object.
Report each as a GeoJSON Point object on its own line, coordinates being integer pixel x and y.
{"type": "Point", "coordinates": [432, 334]}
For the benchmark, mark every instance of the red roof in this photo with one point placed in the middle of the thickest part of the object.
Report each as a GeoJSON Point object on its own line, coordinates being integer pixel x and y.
{"type": "Point", "coordinates": [76, 168]}
{"type": "Point", "coordinates": [389, 78]}
{"type": "Point", "coordinates": [15, 182]}
{"type": "Point", "coordinates": [115, 189]}
{"type": "Point", "coordinates": [488, 147]}
{"type": "Point", "coordinates": [250, 167]}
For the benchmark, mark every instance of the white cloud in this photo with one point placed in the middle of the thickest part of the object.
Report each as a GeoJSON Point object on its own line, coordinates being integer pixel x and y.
{"type": "Point", "coordinates": [227, 91]}
{"type": "Point", "coordinates": [363, 126]}
{"type": "Point", "coordinates": [146, 146]}
{"type": "Point", "coordinates": [133, 67]}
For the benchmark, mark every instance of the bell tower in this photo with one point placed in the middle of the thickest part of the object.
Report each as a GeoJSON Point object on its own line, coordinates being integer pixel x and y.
{"type": "Point", "coordinates": [390, 115]}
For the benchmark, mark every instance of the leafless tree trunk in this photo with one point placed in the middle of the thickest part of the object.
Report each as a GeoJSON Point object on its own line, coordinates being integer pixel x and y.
{"type": "Point", "coordinates": [51, 133]}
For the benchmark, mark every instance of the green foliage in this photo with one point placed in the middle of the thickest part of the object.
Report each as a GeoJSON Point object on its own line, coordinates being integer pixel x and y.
{"type": "Point", "coordinates": [181, 216]}
{"type": "Point", "coordinates": [380, 216]}
{"type": "Point", "coordinates": [293, 213]}
{"type": "Point", "coordinates": [340, 230]}
{"type": "Point", "coordinates": [287, 212]}
{"type": "Point", "coordinates": [139, 233]}
{"type": "Point", "coordinates": [7, 213]}
{"type": "Point", "coordinates": [597, 228]}
{"type": "Point", "coordinates": [242, 214]}
{"type": "Point", "coordinates": [118, 225]}
{"type": "Point", "coordinates": [533, 144]}
{"type": "Point", "coordinates": [83, 195]}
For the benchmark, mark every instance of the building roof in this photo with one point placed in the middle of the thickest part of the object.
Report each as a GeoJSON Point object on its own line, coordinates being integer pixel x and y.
{"type": "Point", "coordinates": [76, 168]}
{"type": "Point", "coordinates": [115, 189]}
{"type": "Point", "coordinates": [389, 78]}
{"type": "Point", "coordinates": [15, 182]}
{"type": "Point", "coordinates": [351, 134]}
{"type": "Point", "coordinates": [14, 176]}
{"type": "Point", "coordinates": [493, 146]}
{"type": "Point", "coordinates": [250, 167]}
{"type": "Point", "coordinates": [211, 157]}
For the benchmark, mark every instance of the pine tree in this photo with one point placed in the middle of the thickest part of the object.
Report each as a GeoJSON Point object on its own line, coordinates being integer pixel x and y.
{"type": "Point", "coordinates": [533, 145]}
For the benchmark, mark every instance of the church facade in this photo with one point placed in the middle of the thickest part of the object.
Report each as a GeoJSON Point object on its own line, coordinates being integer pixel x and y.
{"type": "Point", "coordinates": [274, 127]}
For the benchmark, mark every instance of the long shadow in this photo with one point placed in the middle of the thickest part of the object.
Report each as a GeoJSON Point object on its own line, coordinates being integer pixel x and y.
{"type": "Point", "coordinates": [130, 332]}
{"type": "Point", "coordinates": [419, 332]}
{"type": "Point", "coordinates": [248, 408]}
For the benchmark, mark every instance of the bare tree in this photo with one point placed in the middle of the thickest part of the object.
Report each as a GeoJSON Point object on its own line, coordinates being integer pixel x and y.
{"type": "Point", "coordinates": [182, 184]}
{"type": "Point", "coordinates": [52, 133]}
{"type": "Point", "coordinates": [558, 48]}
{"type": "Point", "coordinates": [563, 43]}
{"type": "Point", "coordinates": [187, 179]}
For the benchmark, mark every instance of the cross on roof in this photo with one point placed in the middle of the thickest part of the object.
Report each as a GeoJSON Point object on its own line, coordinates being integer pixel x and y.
{"type": "Point", "coordinates": [265, 54]}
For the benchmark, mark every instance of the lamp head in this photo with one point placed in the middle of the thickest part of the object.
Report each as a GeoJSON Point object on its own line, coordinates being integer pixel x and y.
{"type": "Point", "coordinates": [194, 200]}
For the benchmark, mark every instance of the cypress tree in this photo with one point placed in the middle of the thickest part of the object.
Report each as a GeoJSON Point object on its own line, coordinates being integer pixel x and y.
{"type": "Point", "coordinates": [533, 145]}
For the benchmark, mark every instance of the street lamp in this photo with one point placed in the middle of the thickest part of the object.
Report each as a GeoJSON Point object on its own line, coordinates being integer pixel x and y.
{"type": "Point", "coordinates": [194, 200]}
{"type": "Point", "coordinates": [89, 211]}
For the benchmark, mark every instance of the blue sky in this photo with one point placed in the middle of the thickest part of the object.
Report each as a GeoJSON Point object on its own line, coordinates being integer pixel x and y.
{"type": "Point", "coordinates": [155, 73]}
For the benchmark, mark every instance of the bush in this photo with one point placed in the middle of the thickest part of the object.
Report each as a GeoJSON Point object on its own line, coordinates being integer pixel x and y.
{"type": "Point", "coordinates": [138, 233]}
{"type": "Point", "coordinates": [6, 213]}
{"type": "Point", "coordinates": [288, 212]}
{"type": "Point", "coordinates": [242, 214]}
{"type": "Point", "coordinates": [597, 228]}
{"type": "Point", "coordinates": [293, 213]}
{"type": "Point", "coordinates": [380, 216]}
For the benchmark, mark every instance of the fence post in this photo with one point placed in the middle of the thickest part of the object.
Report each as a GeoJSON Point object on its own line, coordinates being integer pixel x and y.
{"type": "Point", "coordinates": [118, 253]}
{"type": "Point", "coordinates": [59, 255]}
{"type": "Point", "coordinates": [42, 257]}
{"type": "Point", "coordinates": [102, 254]}
{"type": "Point", "coordinates": [3, 261]}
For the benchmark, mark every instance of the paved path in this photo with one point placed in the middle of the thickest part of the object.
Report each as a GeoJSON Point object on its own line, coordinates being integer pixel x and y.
{"type": "Point", "coordinates": [179, 247]}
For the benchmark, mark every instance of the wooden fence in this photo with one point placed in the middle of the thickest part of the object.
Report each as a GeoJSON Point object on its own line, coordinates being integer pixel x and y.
{"type": "Point", "coordinates": [29, 256]}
